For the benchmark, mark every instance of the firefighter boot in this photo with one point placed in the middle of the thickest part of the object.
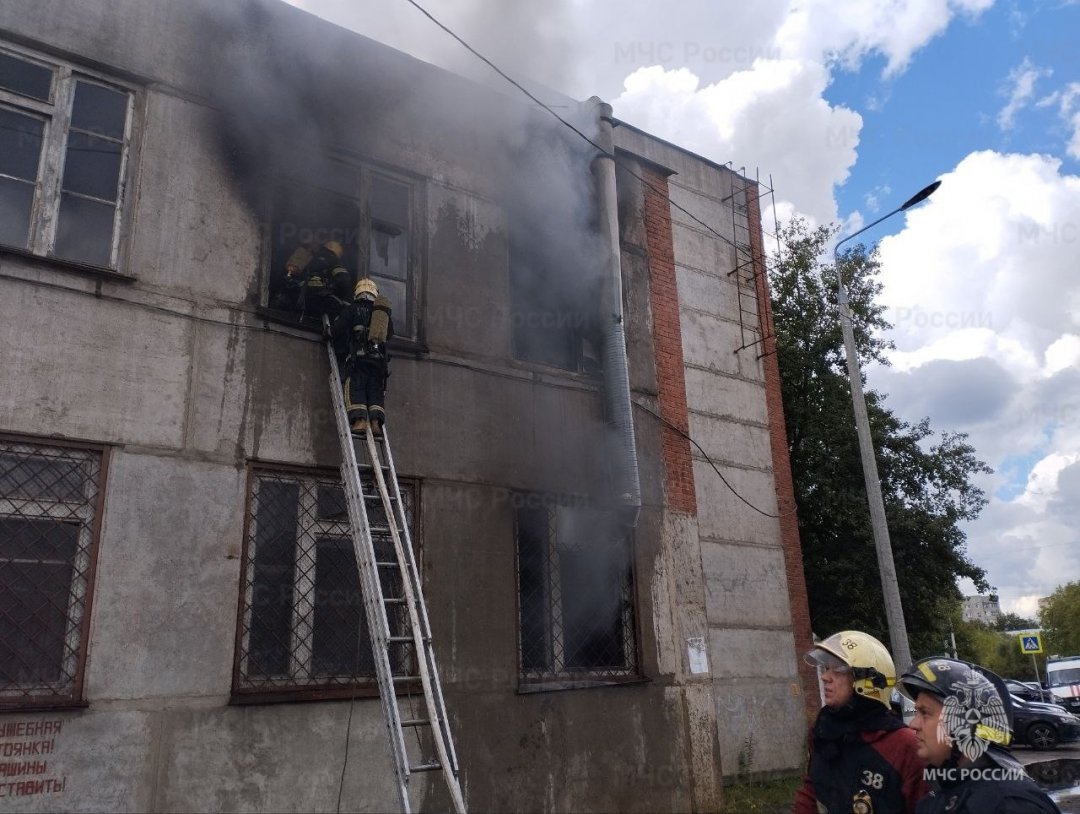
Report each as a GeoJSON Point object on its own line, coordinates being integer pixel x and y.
{"type": "Point", "coordinates": [359, 427]}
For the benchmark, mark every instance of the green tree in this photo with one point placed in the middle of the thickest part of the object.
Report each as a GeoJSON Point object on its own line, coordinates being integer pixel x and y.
{"type": "Point", "coordinates": [995, 650]}
{"type": "Point", "coordinates": [1013, 621]}
{"type": "Point", "coordinates": [1061, 620]}
{"type": "Point", "coordinates": [925, 477]}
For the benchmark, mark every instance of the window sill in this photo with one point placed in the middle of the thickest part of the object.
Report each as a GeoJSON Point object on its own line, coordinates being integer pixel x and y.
{"type": "Point", "coordinates": [402, 346]}
{"type": "Point", "coordinates": [40, 705]}
{"type": "Point", "coordinates": [541, 368]}
{"type": "Point", "coordinates": [72, 266]}
{"type": "Point", "coordinates": [302, 695]}
{"type": "Point", "coordinates": [528, 688]}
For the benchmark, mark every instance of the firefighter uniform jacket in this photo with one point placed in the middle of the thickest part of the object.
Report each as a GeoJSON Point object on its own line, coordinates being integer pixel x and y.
{"type": "Point", "coordinates": [324, 287]}
{"type": "Point", "coordinates": [863, 760]}
{"type": "Point", "coordinates": [354, 338]}
{"type": "Point", "coordinates": [996, 783]}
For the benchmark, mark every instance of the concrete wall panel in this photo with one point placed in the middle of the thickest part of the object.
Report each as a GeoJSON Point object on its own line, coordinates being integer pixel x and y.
{"type": "Point", "coordinates": [745, 585]}
{"type": "Point", "coordinates": [761, 725]}
{"type": "Point", "coordinates": [732, 441]}
{"type": "Point", "coordinates": [167, 579]}
{"type": "Point", "coordinates": [701, 251]}
{"type": "Point", "coordinates": [725, 396]}
{"type": "Point", "coordinates": [723, 516]}
{"type": "Point", "coordinates": [193, 235]}
{"type": "Point", "coordinates": [92, 369]}
{"type": "Point", "coordinates": [469, 254]}
{"type": "Point", "coordinates": [102, 761]}
{"type": "Point", "coordinates": [711, 294]}
{"type": "Point", "coordinates": [712, 343]}
{"type": "Point", "coordinates": [282, 757]}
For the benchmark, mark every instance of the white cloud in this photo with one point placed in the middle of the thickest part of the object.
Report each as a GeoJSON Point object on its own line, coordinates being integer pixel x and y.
{"type": "Point", "coordinates": [983, 275]}
{"type": "Point", "coordinates": [755, 117]}
{"type": "Point", "coordinates": [895, 29]}
{"type": "Point", "coordinates": [1020, 90]}
{"type": "Point", "coordinates": [1062, 354]}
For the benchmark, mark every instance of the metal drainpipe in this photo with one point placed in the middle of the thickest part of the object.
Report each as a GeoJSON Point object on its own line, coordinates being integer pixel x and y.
{"type": "Point", "coordinates": [616, 367]}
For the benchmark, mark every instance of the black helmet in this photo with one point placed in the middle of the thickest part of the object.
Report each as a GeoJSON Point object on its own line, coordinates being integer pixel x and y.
{"type": "Point", "coordinates": [977, 706]}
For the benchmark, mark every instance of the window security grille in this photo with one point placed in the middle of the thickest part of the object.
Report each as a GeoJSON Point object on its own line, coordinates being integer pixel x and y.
{"type": "Point", "coordinates": [302, 626]}
{"type": "Point", "coordinates": [575, 596]}
{"type": "Point", "coordinates": [49, 501]}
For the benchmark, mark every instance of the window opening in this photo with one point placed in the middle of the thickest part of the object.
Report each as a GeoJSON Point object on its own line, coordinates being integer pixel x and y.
{"type": "Point", "coordinates": [64, 143]}
{"type": "Point", "coordinates": [49, 500]}
{"type": "Point", "coordinates": [303, 623]}
{"type": "Point", "coordinates": [575, 594]}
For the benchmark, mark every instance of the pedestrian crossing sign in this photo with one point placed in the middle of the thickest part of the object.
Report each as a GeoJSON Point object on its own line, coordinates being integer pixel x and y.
{"type": "Point", "coordinates": [1031, 643]}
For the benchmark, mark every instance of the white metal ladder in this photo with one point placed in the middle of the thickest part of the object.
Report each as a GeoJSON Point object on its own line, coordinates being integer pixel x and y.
{"type": "Point", "coordinates": [376, 604]}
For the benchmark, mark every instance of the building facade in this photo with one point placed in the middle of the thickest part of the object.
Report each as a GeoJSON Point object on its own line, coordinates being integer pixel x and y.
{"type": "Point", "coordinates": [618, 612]}
{"type": "Point", "coordinates": [983, 609]}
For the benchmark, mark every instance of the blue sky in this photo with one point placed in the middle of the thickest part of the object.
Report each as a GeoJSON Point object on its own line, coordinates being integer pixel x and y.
{"type": "Point", "coordinates": [922, 122]}
{"type": "Point", "coordinates": [851, 107]}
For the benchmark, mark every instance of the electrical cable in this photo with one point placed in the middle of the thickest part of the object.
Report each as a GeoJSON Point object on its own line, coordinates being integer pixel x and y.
{"type": "Point", "coordinates": [711, 463]}
{"type": "Point", "coordinates": [564, 122]}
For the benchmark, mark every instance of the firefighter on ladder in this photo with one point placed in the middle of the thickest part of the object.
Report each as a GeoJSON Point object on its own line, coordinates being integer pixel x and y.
{"type": "Point", "coordinates": [360, 333]}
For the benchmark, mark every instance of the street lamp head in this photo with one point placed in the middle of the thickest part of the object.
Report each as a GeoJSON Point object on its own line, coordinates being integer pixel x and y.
{"type": "Point", "coordinates": [920, 196]}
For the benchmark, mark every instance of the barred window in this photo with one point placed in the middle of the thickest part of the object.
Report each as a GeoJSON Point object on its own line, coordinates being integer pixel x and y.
{"type": "Point", "coordinates": [575, 596]}
{"type": "Point", "coordinates": [303, 631]}
{"type": "Point", "coordinates": [49, 506]}
{"type": "Point", "coordinates": [65, 136]}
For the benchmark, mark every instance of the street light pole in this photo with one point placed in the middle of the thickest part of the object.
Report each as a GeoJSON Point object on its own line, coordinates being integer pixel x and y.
{"type": "Point", "coordinates": [894, 611]}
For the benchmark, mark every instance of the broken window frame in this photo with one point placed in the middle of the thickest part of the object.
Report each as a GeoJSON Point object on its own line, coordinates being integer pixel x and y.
{"type": "Point", "coordinates": [48, 195]}
{"type": "Point", "coordinates": [299, 682]}
{"type": "Point", "coordinates": [407, 325]}
{"type": "Point", "coordinates": [86, 513]}
{"type": "Point", "coordinates": [557, 674]}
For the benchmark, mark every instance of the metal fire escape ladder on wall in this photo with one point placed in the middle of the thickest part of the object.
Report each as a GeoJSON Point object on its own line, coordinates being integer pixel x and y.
{"type": "Point", "coordinates": [750, 261]}
{"type": "Point", "coordinates": [380, 608]}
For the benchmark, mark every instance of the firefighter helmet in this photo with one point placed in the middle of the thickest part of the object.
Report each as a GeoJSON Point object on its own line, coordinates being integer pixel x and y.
{"type": "Point", "coordinates": [871, 666]}
{"type": "Point", "coordinates": [365, 285]}
{"type": "Point", "coordinates": [977, 703]}
{"type": "Point", "coordinates": [335, 247]}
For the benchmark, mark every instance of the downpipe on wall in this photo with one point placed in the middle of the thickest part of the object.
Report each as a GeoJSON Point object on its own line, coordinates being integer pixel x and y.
{"type": "Point", "coordinates": [616, 365]}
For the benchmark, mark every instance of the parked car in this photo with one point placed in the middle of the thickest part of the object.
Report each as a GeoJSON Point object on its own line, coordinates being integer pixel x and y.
{"type": "Point", "coordinates": [1030, 691]}
{"type": "Point", "coordinates": [1043, 726]}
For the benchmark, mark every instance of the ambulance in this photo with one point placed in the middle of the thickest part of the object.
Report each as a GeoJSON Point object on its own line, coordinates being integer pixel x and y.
{"type": "Point", "coordinates": [1063, 680]}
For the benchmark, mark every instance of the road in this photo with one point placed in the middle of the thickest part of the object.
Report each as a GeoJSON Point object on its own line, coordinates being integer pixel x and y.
{"type": "Point", "coordinates": [1056, 770]}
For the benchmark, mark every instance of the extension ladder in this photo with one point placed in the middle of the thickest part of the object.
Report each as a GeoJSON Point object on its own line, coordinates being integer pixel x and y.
{"type": "Point", "coordinates": [412, 629]}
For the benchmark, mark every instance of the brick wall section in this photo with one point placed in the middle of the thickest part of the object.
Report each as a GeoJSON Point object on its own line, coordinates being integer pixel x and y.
{"type": "Point", "coordinates": [667, 340]}
{"type": "Point", "coordinates": [785, 491]}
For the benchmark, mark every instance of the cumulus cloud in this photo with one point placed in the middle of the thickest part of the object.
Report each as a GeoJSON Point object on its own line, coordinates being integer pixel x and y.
{"type": "Point", "coordinates": [895, 29]}
{"type": "Point", "coordinates": [982, 287]}
{"type": "Point", "coordinates": [754, 117]}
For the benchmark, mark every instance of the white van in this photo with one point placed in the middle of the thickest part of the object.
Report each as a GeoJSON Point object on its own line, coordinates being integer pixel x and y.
{"type": "Point", "coordinates": [1063, 679]}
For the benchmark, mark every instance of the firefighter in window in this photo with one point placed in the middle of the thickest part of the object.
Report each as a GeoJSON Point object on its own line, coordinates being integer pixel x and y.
{"type": "Point", "coordinates": [316, 282]}
{"type": "Point", "coordinates": [361, 332]}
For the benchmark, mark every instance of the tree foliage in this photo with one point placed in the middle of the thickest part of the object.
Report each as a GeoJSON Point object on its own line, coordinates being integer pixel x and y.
{"type": "Point", "coordinates": [925, 476]}
{"type": "Point", "coordinates": [996, 650]}
{"type": "Point", "coordinates": [1061, 620]}
{"type": "Point", "coordinates": [1014, 621]}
